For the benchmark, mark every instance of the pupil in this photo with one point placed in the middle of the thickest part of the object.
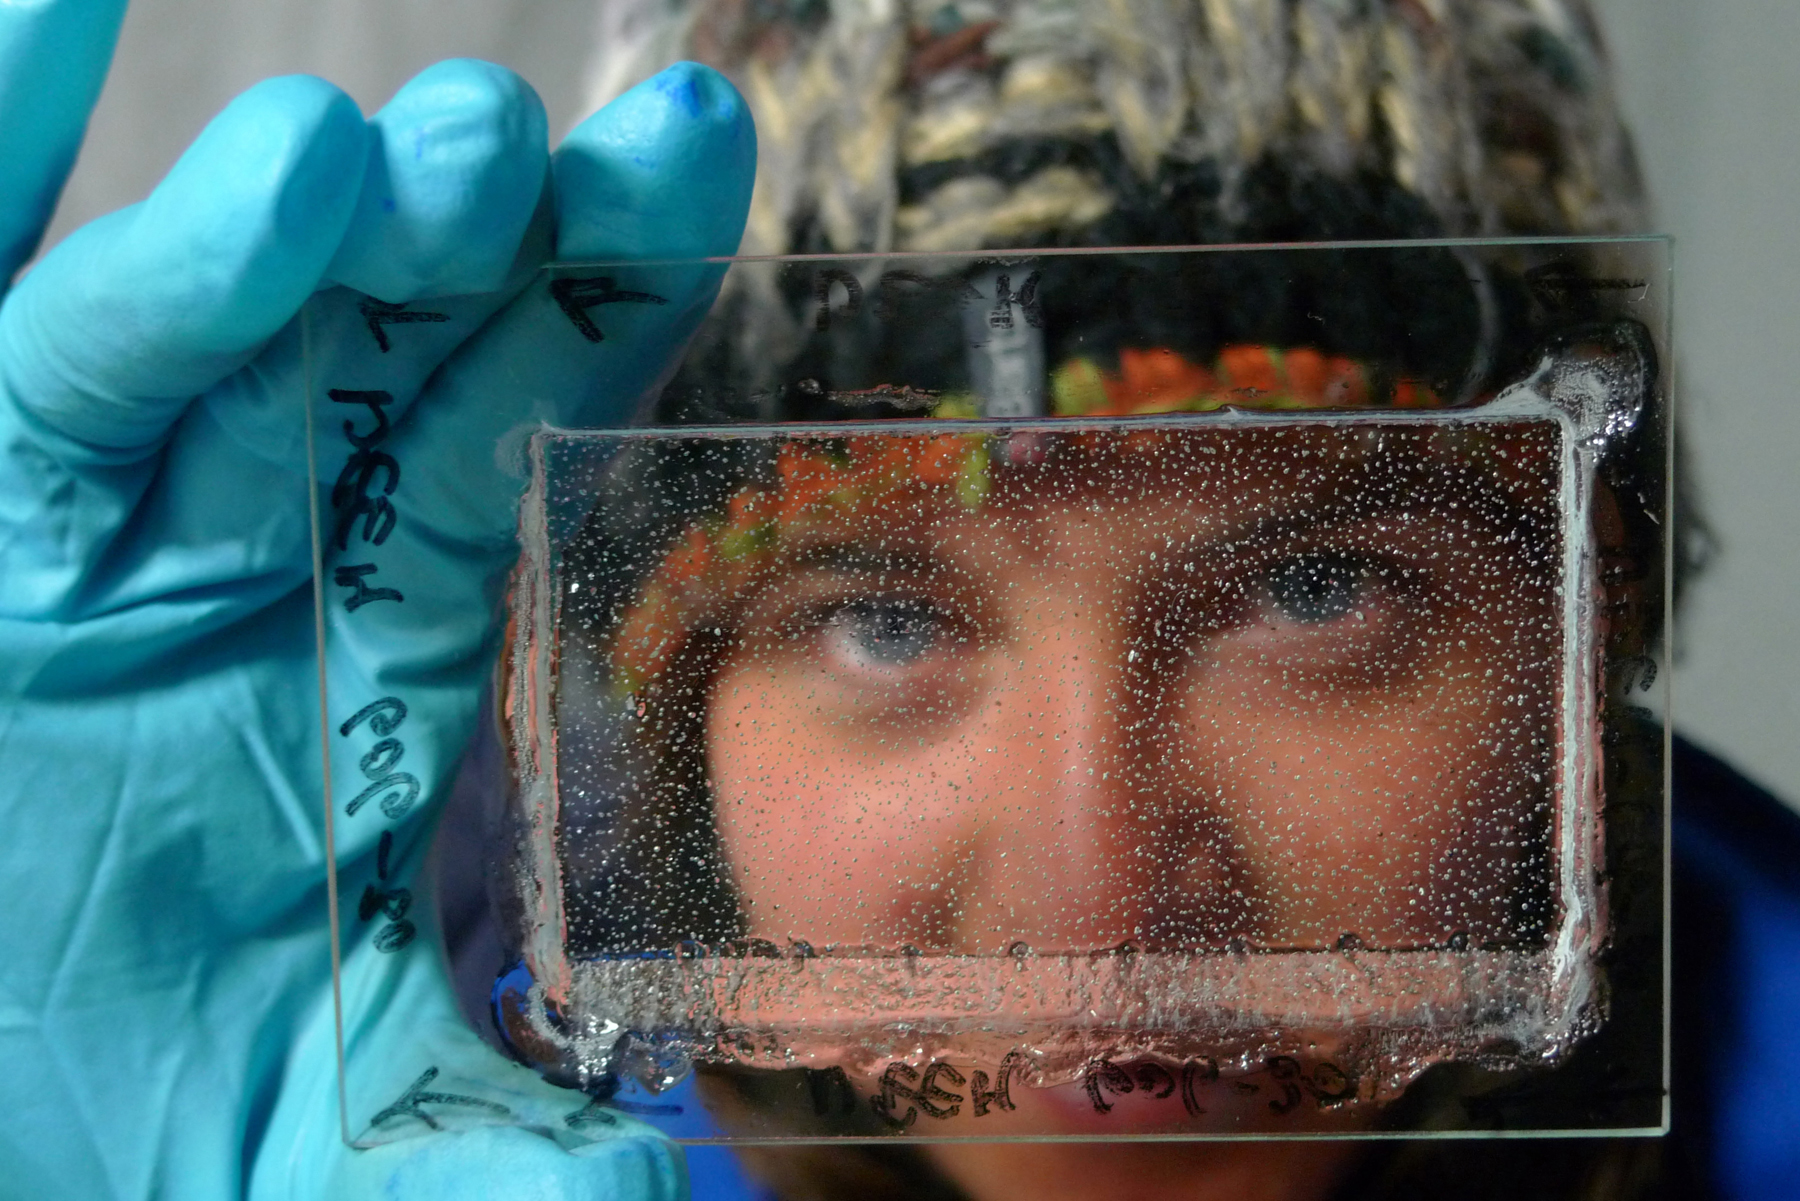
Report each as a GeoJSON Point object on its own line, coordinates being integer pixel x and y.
{"type": "Point", "coordinates": [892, 632]}
{"type": "Point", "coordinates": [1315, 588]}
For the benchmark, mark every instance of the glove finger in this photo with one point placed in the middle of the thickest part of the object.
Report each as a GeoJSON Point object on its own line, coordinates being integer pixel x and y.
{"type": "Point", "coordinates": [664, 171]}
{"type": "Point", "coordinates": [450, 212]}
{"type": "Point", "coordinates": [104, 343]}
{"type": "Point", "coordinates": [457, 165]}
{"type": "Point", "coordinates": [213, 558]}
{"type": "Point", "coordinates": [53, 59]}
{"type": "Point", "coordinates": [455, 217]}
{"type": "Point", "coordinates": [455, 168]}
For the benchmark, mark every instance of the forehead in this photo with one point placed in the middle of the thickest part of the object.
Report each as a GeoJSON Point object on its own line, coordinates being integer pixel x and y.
{"type": "Point", "coordinates": [1169, 484]}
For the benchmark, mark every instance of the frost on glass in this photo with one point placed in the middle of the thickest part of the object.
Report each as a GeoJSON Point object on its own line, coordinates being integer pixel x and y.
{"type": "Point", "coordinates": [1148, 775]}
{"type": "Point", "coordinates": [1200, 693]}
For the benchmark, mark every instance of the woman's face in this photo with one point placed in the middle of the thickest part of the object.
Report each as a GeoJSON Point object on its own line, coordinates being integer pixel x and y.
{"type": "Point", "coordinates": [1269, 687]}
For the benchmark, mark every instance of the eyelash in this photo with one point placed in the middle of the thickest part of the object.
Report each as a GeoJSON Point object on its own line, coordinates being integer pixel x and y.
{"type": "Point", "coordinates": [1214, 609]}
{"type": "Point", "coordinates": [1305, 572]}
{"type": "Point", "coordinates": [821, 619]}
{"type": "Point", "coordinates": [1241, 594]}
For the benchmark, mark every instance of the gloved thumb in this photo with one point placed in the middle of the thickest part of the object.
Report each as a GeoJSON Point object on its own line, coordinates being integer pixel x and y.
{"type": "Point", "coordinates": [53, 59]}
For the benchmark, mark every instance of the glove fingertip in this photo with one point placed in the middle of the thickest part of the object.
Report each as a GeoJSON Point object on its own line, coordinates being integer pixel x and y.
{"type": "Point", "coordinates": [250, 215]}
{"type": "Point", "coordinates": [456, 165]}
{"type": "Point", "coordinates": [665, 170]}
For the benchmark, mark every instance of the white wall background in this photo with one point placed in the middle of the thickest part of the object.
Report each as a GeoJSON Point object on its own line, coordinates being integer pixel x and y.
{"type": "Point", "coordinates": [1713, 92]}
{"type": "Point", "coordinates": [1712, 89]}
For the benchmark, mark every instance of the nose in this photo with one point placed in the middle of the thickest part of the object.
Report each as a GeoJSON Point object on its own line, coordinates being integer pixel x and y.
{"type": "Point", "coordinates": [1072, 865]}
{"type": "Point", "coordinates": [1083, 836]}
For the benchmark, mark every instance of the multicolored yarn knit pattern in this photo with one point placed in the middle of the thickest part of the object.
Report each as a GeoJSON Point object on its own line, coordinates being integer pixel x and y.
{"type": "Point", "coordinates": [925, 125]}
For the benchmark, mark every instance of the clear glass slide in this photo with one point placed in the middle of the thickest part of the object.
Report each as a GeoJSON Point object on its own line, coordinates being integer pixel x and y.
{"type": "Point", "coordinates": [1182, 692]}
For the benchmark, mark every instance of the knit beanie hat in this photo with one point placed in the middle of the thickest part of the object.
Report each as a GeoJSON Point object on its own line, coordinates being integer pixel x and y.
{"type": "Point", "coordinates": [928, 125]}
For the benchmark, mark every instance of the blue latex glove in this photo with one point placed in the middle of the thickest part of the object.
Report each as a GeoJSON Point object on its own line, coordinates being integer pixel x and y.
{"type": "Point", "coordinates": [166, 1022]}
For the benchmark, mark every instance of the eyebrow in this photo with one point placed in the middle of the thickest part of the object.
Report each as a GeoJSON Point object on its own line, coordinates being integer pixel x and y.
{"type": "Point", "coordinates": [864, 559]}
{"type": "Point", "coordinates": [1400, 484]}
{"type": "Point", "coordinates": [1410, 485]}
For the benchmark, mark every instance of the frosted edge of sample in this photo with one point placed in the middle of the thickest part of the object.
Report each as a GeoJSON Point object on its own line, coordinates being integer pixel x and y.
{"type": "Point", "coordinates": [1534, 1004]}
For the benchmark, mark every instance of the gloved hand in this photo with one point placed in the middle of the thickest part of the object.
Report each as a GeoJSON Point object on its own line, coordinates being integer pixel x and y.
{"type": "Point", "coordinates": [166, 1017]}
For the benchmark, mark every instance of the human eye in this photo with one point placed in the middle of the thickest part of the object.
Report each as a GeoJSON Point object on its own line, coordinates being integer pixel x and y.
{"type": "Point", "coordinates": [887, 633]}
{"type": "Point", "coordinates": [1328, 609]}
{"type": "Point", "coordinates": [881, 637]}
{"type": "Point", "coordinates": [1316, 588]}
{"type": "Point", "coordinates": [1325, 607]}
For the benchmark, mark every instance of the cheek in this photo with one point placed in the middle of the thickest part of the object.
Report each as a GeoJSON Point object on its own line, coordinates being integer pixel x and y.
{"type": "Point", "coordinates": [774, 797]}
{"type": "Point", "coordinates": [833, 826]}
{"type": "Point", "coordinates": [1402, 812]}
